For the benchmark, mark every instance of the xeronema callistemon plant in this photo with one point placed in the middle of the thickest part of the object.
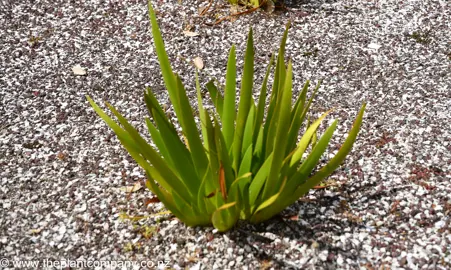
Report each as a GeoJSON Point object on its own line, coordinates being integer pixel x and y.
{"type": "Point", "coordinates": [246, 163]}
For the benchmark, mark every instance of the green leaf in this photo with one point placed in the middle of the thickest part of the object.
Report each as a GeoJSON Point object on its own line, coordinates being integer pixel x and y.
{"type": "Point", "coordinates": [178, 98]}
{"type": "Point", "coordinates": [152, 103]}
{"type": "Point", "coordinates": [305, 140]}
{"type": "Point", "coordinates": [279, 78]}
{"type": "Point", "coordinates": [179, 155]}
{"type": "Point", "coordinates": [300, 102]}
{"type": "Point", "coordinates": [296, 120]}
{"type": "Point", "coordinates": [261, 103]}
{"type": "Point", "coordinates": [216, 97]}
{"type": "Point", "coordinates": [155, 109]}
{"type": "Point", "coordinates": [272, 120]}
{"type": "Point", "coordinates": [210, 204]}
{"type": "Point", "coordinates": [312, 160]}
{"type": "Point", "coordinates": [132, 146]}
{"type": "Point", "coordinates": [283, 42]}
{"type": "Point", "coordinates": [336, 161]}
{"type": "Point", "coordinates": [164, 197]}
{"type": "Point", "coordinates": [269, 207]}
{"type": "Point", "coordinates": [225, 217]}
{"type": "Point", "coordinates": [158, 140]}
{"type": "Point", "coordinates": [201, 112]}
{"type": "Point", "coordinates": [239, 192]}
{"type": "Point", "coordinates": [246, 162]}
{"type": "Point", "coordinates": [122, 135]}
{"type": "Point", "coordinates": [191, 132]}
{"type": "Point", "coordinates": [258, 149]}
{"type": "Point", "coordinates": [307, 107]}
{"type": "Point", "coordinates": [219, 200]}
{"type": "Point", "coordinates": [314, 139]}
{"type": "Point", "coordinates": [259, 180]}
{"type": "Point", "coordinates": [165, 66]}
{"type": "Point", "coordinates": [191, 216]}
{"type": "Point", "coordinates": [223, 155]}
{"type": "Point", "coordinates": [213, 155]}
{"type": "Point", "coordinates": [201, 202]}
{"type": "Point", "coordinates": [228, 113]}
{"type": "Point", "coordinates": [245, 100]}
{"type": "Point", "coordinates": [318, 150]}
{"type": "Point", "coordinates": [282, 75]}
{"type": "Point", "coordinates": [283, 108]}
{"type": "Point", "coordinates": [248, 129]}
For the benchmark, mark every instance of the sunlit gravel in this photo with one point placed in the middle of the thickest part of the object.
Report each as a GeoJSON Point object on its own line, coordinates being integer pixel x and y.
{"type": "Point", "coordinates": [64, 175]}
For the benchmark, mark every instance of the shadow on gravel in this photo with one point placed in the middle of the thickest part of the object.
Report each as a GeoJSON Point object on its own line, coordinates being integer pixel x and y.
{"type": "Point", "coordinates": [298, 3]}
{"type": "Point", "coordinates": [311, 228]}
{"type": "Point", "coordinates": [308, 223]}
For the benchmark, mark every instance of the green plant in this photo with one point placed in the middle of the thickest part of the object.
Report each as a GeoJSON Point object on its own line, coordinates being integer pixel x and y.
{"type": "Point", "coordinates": [247, 164]}
{"type": "Point", "coordinates": [254, 3]}
{"type": "Point", "coordinates": [421, 37]}
{"type": "Point", "coordinates": [249, 3]}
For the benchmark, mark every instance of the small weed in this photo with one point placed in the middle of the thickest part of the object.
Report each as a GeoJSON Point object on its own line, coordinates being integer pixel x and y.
{"type": "Point", "coordinates": [32, 145]}
{"type": "Point", "coordinates": [33, 41]}
{"type": "Point", "coordinates": [345, 209]}
{"type": "Point", "coordinates": [124, 216]}
{"type": "Point", "coordinates": [128, 247]}
{"type": "Point", "coordinates": [352, 218]}
{"type": "Point", "coordinates": [313, 53]}
{"type": "Point", "coordinates": [421, 37]}
{"type": "Point", "coordinates": [148, 231]}
{"type": "Point", "coordinates": [327, 183]}
{"type": "Point", "coordinates": [266, 264]}
{"type": "Point", "coordinates": [385, 139]}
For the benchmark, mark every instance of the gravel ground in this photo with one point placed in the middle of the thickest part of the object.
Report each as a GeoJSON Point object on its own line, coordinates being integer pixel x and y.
{"type": "Point", "coordinates": [65, 178]}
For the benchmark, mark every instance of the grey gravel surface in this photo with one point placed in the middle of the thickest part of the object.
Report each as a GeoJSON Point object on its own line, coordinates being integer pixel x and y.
{"type": "Point", "coordinates": [65, 178]}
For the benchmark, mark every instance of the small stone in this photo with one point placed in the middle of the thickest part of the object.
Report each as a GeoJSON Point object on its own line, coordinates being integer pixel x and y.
{"type": "Point", "coordinates": [81, 208]}
{"type": "Point", "coordinates": [78, 70]}
{"type": "Point", "coordinates": [323, 255]}
{"type": "Point", "coordinates": [374, 46]}
{"type": "Point", "coordinates": [226, 238]}
{"type": "Point", "coordinates": [199, 63]}
{"type": "Point", "coordinates": [196, 267]}
{"type": "Point", "coordinates": [340, 260]}
{"type": "Point", "coordinates": [61, 232]}
{"type": "Point", "coordinates": [315, 245]}
{"type": "Point", "coordinates": [190, 34]}
{"type": "Point", "coordinates": [439, 224]}
{"type": "Point", "coordinates": [6, 204]}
